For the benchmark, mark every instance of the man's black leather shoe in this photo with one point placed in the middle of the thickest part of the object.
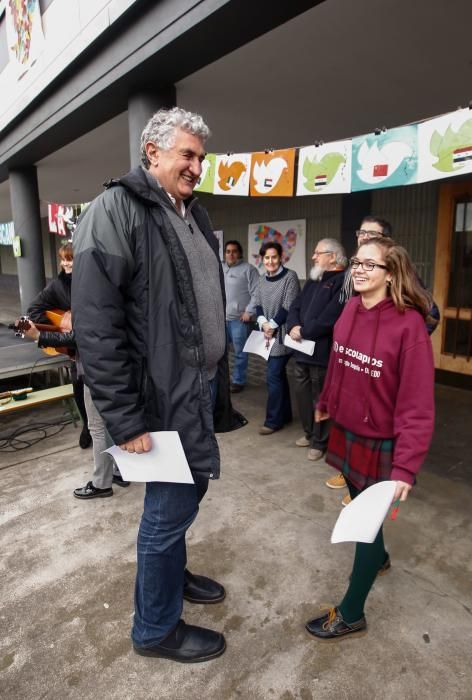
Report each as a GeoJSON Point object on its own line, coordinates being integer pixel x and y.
{"type": "Point", "coordinates": [332, 626]}
{"type": "Point", "coordinates": [91, 491]}
{"type": "Point", "coordinates": [119, 481]}
{"type": "Point", "coordinates": [200, 589]}
{"type": "Point", "coordinates": [187, 644]}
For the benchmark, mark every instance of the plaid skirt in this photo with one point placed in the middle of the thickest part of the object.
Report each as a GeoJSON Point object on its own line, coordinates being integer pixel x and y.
{"type": "Point", "coordinates": [363, 461]}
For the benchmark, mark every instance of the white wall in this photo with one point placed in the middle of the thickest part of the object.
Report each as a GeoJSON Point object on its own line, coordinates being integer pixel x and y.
{"type": "Point", "coordinates": [69, 26]}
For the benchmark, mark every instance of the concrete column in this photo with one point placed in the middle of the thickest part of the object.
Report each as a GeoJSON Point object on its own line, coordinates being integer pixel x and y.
{"type": "Point", "coordinates": [24, 197]}
{"type": "Point", "coordinates": [141, 106]}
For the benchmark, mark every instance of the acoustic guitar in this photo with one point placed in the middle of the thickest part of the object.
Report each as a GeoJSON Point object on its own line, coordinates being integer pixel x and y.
{"type": "Point", "coordinates": [60, 323]}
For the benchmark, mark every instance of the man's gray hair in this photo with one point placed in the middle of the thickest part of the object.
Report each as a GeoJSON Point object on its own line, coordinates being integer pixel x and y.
{"type": "Point", "coordinates": [162, 125]}
{"type": "Point", "coordinates": [337, 248]}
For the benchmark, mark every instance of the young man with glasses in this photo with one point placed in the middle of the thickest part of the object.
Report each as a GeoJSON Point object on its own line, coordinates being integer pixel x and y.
{"type": "Point", "coordinates": [373, 227]}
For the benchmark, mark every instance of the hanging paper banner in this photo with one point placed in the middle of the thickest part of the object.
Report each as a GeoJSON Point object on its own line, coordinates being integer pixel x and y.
{"type": "Point", "coordinates": [25, 36]}
{"type": "Point", "coordinates": [62, 218]}
{"type": "Point", "coordinates": [389, 159]}
{"type": "Point", "coordinates": [7, 231]}
{"type": "Point", "coordinates": [290, 234]}
{"type": "Point", "coordinates": [232, 174]}
{"type": "Point", "coordinates": [445, 146]}
{"type": "Point", "coordinates": [207, 177]}
{"type": "Point", "coordinates": [324, 169]}
{"type": "Point", "coordinates": [273, 173]}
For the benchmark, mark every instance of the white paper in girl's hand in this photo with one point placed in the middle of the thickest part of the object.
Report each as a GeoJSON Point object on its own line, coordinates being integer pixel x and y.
{"type": "Point", "coordinates": [361, 520]}
{"type": "Point", "coordinates": [257, 344]}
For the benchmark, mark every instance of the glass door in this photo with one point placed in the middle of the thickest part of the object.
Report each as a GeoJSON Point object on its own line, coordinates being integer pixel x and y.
{"type": "Point", "coordinates": [452, 341]}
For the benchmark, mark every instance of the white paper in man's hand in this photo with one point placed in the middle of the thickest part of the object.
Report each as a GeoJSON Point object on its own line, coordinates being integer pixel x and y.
{"type": "Point", "coordinates": [306, 346]}
{"type": "Point", "coordinates": [166, 460]}
{"type": "Point", "coordinates": [257, 343]}
{"type": "Point", "coordinates": [361, 520]}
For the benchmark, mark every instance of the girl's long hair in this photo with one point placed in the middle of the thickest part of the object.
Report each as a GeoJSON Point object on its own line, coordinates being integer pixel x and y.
{"type": "Point", "coordinates": [405, 290]}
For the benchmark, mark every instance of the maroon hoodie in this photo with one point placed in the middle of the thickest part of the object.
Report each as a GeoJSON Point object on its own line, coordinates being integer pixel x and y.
{"type": "Point", "coordinates": [380, 381]}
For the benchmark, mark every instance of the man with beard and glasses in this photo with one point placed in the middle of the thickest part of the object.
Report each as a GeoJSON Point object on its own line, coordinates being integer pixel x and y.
{"type": "Point", "coordinates": [312, 317]}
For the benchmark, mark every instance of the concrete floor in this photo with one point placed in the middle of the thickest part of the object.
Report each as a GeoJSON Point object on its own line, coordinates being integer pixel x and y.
{"type": "Point", "coordinates": [67, 572]}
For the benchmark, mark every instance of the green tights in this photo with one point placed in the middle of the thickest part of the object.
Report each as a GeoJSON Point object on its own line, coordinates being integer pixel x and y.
{"type": "Point", "coordinates": [367, 561]}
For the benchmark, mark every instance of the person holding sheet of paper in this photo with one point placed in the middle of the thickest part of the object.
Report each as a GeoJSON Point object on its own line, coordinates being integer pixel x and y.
{"type": "Point", "coordinates": [149, 316]}
{"type": "Point", "coordinates": [376, 227]}
{"type": "Point", "coordinates": [312, 316]}
{"type": "Point", "coordinates": [277, 289]}
{"type": "Point", "coordinates": [379, 393]}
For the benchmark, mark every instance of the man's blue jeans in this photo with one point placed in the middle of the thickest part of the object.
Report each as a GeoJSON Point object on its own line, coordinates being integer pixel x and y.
{"type": "Point", "coordinates": [238, 332]}
{"type": "Point", "coordinates": [279, 407]}
{"type": "Point", "coordinates": [169, 510]}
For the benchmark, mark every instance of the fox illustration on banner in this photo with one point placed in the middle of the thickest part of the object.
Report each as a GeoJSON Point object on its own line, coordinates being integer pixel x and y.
{"type": "Point", "coordinates": [232, 174]}
{"type": "Point", "coordinates": [273, 173]}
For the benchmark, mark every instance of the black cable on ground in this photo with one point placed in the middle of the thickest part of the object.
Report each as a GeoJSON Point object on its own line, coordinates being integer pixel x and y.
{"type": "Point", "coordinates": [16, 440]}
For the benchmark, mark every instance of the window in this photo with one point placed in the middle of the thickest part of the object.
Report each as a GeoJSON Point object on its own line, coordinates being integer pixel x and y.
{"type": "Point", "coordinates": [460, 275]}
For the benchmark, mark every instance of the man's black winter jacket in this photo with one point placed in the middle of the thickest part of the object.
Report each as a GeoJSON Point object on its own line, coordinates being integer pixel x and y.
{"type": "Point", "coordinates": [136, 322]}
{"type": "Point", "coordinates": [316, 309]}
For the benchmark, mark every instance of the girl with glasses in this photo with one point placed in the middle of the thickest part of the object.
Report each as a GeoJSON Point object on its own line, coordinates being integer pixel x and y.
{"type": "Point", "coordinates": [379, 393]}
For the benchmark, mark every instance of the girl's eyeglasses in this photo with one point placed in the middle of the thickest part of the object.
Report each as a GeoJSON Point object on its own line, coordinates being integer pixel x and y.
{"type": "Point", "coordinates": [367, 265]}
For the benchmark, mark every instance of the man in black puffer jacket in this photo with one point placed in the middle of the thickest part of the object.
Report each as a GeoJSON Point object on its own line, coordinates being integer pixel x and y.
{"type": "Point", "coordinates": [148, 312]}
{"type": "Point", "coordinates": [312, 316]}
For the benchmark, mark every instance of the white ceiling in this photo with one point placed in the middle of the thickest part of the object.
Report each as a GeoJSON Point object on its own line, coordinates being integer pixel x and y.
{"type": "Point", "coordinates": [338, 70]}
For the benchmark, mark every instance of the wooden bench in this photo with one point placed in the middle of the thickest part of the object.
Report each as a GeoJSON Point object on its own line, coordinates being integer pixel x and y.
{"type": "Point", "coordinates": [63, 392]}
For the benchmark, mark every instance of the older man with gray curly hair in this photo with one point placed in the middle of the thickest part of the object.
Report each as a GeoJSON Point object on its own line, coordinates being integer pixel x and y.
{"type": "Point", "coordinates": [312, 316]}
{"type": "Point", "coordinates": [149, 317]}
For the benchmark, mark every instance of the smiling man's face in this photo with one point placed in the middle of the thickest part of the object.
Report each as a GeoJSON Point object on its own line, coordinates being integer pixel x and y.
{"type": "Point", "coordinates": [178, 168]}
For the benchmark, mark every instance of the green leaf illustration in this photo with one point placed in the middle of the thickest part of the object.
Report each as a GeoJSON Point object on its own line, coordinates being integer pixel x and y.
{"type": "Point", "coordinates": [444, 146]}
{"type": "Point", "coordinates": [327, 166]}
{"type": "Point", "coordinates": [435, 143]}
